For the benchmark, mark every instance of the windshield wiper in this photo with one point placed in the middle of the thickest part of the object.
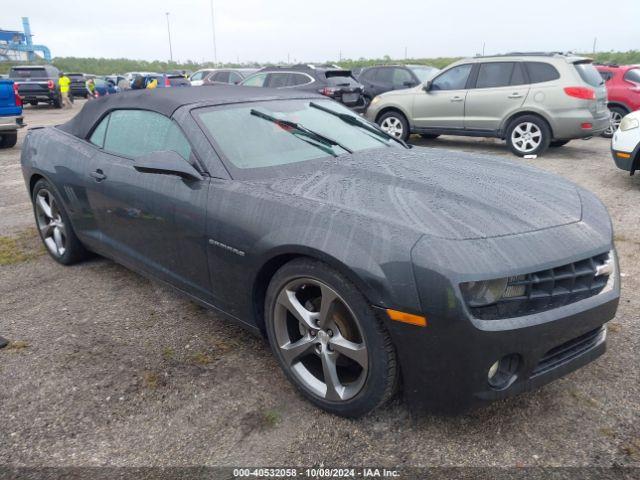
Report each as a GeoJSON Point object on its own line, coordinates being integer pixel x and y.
{"type": "Point", "coordinates": [356, 122]}
{"type": "Point", "coordinates": [318, 137]}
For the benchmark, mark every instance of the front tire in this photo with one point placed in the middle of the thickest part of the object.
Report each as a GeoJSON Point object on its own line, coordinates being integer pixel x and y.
{"type": "Point", "coordinates": [528, 135]}
{"type": "Point", "coordinates": [617, 114]}
{"type": "Point", "coordinates": [8, 139]}
{"type": "Point", "coordinates": [395, 123]}
{"type": "Point", "coordinates": [328, 340]}
{"type": "Point", "coordinates": [54, 225]}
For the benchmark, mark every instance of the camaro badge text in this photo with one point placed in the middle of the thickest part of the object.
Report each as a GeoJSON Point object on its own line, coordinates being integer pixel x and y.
{"type": "Point", "coordinates": [226, 247]}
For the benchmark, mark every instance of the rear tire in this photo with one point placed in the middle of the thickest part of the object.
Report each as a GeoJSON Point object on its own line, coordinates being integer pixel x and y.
{"type": "Point", "coordinates": [395, 123]}
{"type": "Point", "coordinates": [617, 114]}
{"type": "Point", "coordinates": [558, 143]}
{"type": "Point", "coordinates": [338, 354]}
{"type": "Point", "coordinates": [8, 139]}
{"type": "Point", "coordinates": [54, 225]}
{"type": "Point", "coordinates": [528, 135]}
{"type": "Point", "coordinates": [57, 102]}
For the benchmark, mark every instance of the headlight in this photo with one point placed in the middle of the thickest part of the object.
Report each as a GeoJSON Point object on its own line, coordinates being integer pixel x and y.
{"type": "Point", "coordinates": [627, 123]}
{"type": "Point", "coordinates": [486, 292]}
{"type": "Point", "coordinates": [375, 100]}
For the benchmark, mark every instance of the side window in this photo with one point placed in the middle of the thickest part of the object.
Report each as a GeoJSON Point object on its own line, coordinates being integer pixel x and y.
{"type": "Point", "coordinates": [197, 76]}
{"type": "Point", "coordinates": [494, 74]}
{"type": "Point", "coordinates": [369, 74]}
{"type": "Point", "coordinates": [222, 77]}
{"type": "Point", "coordinates": [453, 79]}
{"type": "Point", "coordinates": [256, 80]}
{"type": "Point", "coordinates": [133, 133]}
{"type": "Point", "coordinates": [97, 137]}
{"type": "Point", "coordinates": [277, 80]}
{"type": "Point", "coordinates": [384, 75]}
{"type": "Point", "coordinates": [632, 75]}
{"type": "Point", "coordinates": [401, 78]}
{"type": "Point", "coordinates": [541, 72]}
{"type": "Point", "coordinates": [296, 79]}
{"type": "Point", "coordinates": [234, 77]}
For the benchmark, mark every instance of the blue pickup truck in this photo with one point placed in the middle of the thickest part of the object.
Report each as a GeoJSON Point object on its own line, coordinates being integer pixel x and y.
{"type": "Point", "coordinates": [10, 113]}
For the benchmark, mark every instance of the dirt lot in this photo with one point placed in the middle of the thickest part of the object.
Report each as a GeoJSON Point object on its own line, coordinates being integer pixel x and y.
{"type": "Point", "coordinates": [107, 368]}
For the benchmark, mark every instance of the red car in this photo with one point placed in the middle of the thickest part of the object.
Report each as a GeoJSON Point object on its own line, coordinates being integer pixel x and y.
{"type": "Point", "coordinates": [623, 90]}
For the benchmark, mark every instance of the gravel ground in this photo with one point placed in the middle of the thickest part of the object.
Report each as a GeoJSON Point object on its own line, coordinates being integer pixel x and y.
{"type": "Point", "coordinates": [108, 368]}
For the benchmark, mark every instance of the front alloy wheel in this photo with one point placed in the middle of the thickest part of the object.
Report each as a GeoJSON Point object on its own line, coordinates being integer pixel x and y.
{"type": "Point", "coordinates": [328, 340]}
{"type": "Point", "coordinates": [394, 123]}
{"type": "Point", "coordinates": [320, 340]}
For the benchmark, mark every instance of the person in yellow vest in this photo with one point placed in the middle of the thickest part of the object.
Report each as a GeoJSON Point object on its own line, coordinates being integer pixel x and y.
{"type": "Point", "coordinates": [65, 85]}
{"type": "Point", "coordinates": [153, 83]}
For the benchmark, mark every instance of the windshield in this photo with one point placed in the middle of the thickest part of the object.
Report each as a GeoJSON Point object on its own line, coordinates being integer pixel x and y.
{"type": "Point", "coordinates": [425, 73]}
{"type": "Point", "coordinates": [248, 140]}
{"type": "Point", "coordinates": [589, 74]}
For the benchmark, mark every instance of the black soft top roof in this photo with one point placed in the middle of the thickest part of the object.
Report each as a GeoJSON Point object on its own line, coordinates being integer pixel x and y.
{"type": "Point", "coordinates": [167, 100]}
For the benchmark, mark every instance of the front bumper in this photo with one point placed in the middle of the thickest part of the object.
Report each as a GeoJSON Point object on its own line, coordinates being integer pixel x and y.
{"type": "Point", "coordinates": [11, 123]}
{"type": "Point", "coordinates": [625, 149]}
{"type": "Point", "coordinates": [448, 370]}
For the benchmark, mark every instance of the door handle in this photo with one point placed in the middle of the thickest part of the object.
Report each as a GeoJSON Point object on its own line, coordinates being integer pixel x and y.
{"type": "Point", "coordinates": [98, 175]}
{"type": "Point", "coordinates": [457, 99]}
{"type": "Point", "coordinates": [515, 95]}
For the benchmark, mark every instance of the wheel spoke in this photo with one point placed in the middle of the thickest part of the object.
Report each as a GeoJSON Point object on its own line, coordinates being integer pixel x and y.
{"type": "Point", "coordinates": [355, 351]}
{"type": "Point", "coordinates": [57, 237]}
{"type": "Point", "coordinates": [44, 206]}
{"type": "Point", "coordinates": [334, 387]}
{"type": "Point", "coordinates": [288, 300]}
{"type": "Point", "coordinates": [292, 352]}
{"type": "Point", "coordinates": [327, 301]}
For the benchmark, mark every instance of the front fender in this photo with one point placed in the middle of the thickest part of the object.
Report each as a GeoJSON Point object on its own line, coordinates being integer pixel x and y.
{"type": "Point", "coordinates": [380, 269]}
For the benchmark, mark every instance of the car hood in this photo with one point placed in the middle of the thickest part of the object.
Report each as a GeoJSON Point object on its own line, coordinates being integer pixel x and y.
{"type": "Point", "coordinates": [438, 192]}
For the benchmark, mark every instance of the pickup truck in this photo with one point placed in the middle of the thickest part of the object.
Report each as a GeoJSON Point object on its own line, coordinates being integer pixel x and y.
{"type": "Point", "coordinates": [10, 113]}
{"type": "Point", "coordinates": [37, 83]}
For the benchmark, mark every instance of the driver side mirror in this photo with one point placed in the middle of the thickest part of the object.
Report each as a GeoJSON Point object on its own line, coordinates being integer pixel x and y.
{"type": "Point", "coordinates": [426, 86]}
{"type": "Point", "coordinates": [166, 162]}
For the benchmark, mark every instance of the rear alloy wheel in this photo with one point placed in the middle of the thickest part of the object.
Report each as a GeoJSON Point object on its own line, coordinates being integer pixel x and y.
{"type": "Point", "coordinates": [616, 116]}
{"type": "Point", "coordinates": [394, 123]}
{"type": "Point", "coordinates": [328, 340]}
{"type": "Point", "coordinates": [528, 135]}
{"type": "Point", "coordinates": [54, 226]}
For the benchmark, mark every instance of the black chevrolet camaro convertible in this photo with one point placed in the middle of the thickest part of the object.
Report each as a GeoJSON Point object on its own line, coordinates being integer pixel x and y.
{"type": "Point", "coordinates": [367, 264]}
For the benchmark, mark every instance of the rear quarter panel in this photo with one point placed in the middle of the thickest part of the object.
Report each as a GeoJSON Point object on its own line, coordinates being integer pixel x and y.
{"type": "Point", "coordinates": [63, 160]}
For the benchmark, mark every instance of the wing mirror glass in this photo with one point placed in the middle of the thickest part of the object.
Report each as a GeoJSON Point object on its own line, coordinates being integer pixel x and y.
{"type": "Point", "coordinates": [426, 86]}
{"type": "Point", "coordinates": [166, 162]}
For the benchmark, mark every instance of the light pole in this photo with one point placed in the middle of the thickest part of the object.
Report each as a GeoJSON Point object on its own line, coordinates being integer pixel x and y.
{"type": "Point", "coordinates": [213, 36]}
{"type": "Point", "coordinates": [169, 32]}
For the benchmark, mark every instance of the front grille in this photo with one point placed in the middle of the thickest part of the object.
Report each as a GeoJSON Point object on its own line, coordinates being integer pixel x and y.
{"type": "Point", "coordinates": [547, 289]}
{"type": "Point", "coordinates": [571, 349]}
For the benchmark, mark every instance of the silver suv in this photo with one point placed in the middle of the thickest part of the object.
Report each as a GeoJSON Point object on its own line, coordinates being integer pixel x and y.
{"type": "Point", "coordinates": [532, 100]}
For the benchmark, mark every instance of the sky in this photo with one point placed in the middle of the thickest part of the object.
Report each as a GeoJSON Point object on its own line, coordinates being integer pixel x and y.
{"type": "Point", "coordinates": [281, 30]}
